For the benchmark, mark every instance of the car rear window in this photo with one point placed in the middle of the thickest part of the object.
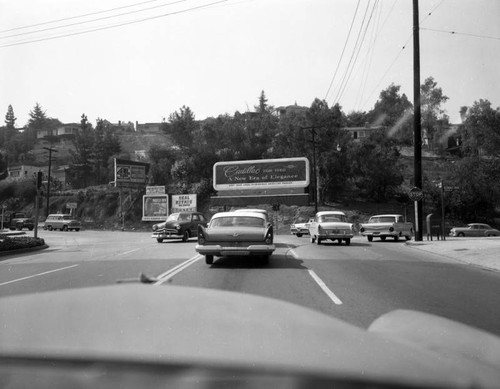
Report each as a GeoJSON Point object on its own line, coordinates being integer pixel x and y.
{"type": "Point", "coordinates": [239, 221]}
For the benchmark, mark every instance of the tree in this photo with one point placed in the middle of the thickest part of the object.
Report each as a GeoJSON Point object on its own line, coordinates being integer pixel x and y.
{"type": "Point", "coordinates": [375, 166]}
{"type": "Point", "coordinates": [9, 131]}
{"type": "Point", "coordinates": [263, 107]}
{"type": "Point", "coordinates": [481, 130]}
{"type": "Point", "coordinates": [393, 110]}
{"type": "Point", "coordinates": [180, 127]}
{"type": "Point", "coordinates": [105, 145]}
{"type": "Point", "coordinates": [434, 117]}
{"type": "Point", "coordinates": [82, 156]}
{"type": "Point", "coordinates": [477, 193]}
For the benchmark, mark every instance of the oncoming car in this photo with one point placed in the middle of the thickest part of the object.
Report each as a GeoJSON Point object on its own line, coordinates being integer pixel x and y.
{"type": "Point", "coordinates": [300, 228]}
{"type": "Point", "coordinates": [474, 230]}
{"type": "Point", "coordinates": [181, 225]}
{"type": "Point", "coordinates": [63, 222]}
{"type": "Point", "coordinates": [235, 234]}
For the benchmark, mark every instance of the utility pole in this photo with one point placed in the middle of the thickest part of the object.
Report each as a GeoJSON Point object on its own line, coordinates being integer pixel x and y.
{"type": "Point", "coordinates": [315, 179]}
{"type": "Point", "coordinates": [417, 126]}
{"type": "Point", "coordinates": [48, 179]}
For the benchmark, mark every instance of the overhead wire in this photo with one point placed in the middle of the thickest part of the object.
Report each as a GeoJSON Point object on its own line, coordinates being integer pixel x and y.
{"type": "Point", "coordinates": [368, 59]}
{"type": "Point", "coordinates": [462, 33]}
{"type": "Point", "coordinates": [400, 52]}
{"type": "Point", "coordinates": [92, 20]}
{"type": "Point", "coordinates": [343, 51]}
{"type": "Point", "coordinates": [358, 50]}
{"type": "Point", "coordinates": [107, 27]}
{"type": "Point", "coordinates": [341, 85]}
{"type": "Point", "coordinates": [78, 16]}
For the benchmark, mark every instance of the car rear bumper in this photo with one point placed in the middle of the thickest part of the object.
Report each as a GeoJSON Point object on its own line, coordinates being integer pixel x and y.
{"type": "Point", "coordinates": [221, 251]}
{"type": "Point", "coordinates": [166, 235]}
{"type": "Point", "coordinates": [380, 233]}
{"type": "Point", "coordinates": [335, 236]}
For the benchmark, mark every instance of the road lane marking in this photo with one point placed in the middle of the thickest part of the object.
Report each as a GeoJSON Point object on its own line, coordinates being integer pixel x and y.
{"type": "Point", "coordinates": [172, 272]}
{"type": "Point", "coordinates": [325, 288]}
{"type": "Point", "coordinates": [128, 252]}
{"type": "Point", "coordinates": [37, 275]}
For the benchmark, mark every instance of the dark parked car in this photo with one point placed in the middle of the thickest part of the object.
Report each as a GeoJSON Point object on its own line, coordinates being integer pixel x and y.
{"type": "Point", "coordinates": [475, 229]}
{"type": "Point", "coordinates": [19, 221]}
{"type": "Point", "coordinates": [183, 225]}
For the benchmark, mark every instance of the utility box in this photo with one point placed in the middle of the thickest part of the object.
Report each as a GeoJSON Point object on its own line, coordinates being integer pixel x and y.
{"type": "Point", "coordinates": [434, 226]}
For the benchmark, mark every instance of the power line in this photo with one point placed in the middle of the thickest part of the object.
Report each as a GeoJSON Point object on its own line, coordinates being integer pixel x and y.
{"type": "Point", "coordinates": [114, 26]}
{"type": "Point", "coordinates": [462, 33]}
{"type": "Point", "coordinates": [349, 72]}
{"type": "Point", "coordinates": [401, 51]}
{"type": "Point", "coordinates": [76, 17]}
{"type": "Point", "coordinates": [92, 20]}
{"type": "Point", "coordinates": [343, 50]}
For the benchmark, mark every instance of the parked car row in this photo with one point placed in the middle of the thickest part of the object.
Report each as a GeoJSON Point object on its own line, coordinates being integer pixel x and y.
{"type": "Point", "coordinates": [380, 226]}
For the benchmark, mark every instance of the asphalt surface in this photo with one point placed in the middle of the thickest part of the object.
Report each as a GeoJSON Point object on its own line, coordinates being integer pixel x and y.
{"type": "Point", "coordinates": [482, 252]}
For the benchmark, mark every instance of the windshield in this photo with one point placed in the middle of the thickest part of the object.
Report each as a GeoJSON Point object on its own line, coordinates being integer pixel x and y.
{"type": "Point", "coordinates": [332, 218]}
{"type": "Point", "coordinates": [382, 219]}
{"type": "Point", "coordinates": [239, 221]}
{"type": "Point", "coordinates": [185, 145]}
{"type": "Point", "coordinates": [179, 217]}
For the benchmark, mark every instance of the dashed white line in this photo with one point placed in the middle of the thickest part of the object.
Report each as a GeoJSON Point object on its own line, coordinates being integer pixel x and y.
{"type": "Point", "coordinates": [37, 275]}
{"type": "Point", "coordinates": [128, 252]}
{"type": "Point", "coordinates": [325, 288]}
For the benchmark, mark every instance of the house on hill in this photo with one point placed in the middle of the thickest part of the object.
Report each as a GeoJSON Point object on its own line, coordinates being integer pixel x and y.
{"type": "Point", "coordinates": [23, 172]}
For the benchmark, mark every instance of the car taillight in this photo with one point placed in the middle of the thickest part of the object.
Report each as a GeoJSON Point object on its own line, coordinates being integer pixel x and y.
{"type": "Point", "coordinates": [201, 235]}
{"type": "Point", "coordinates": [362, 229]}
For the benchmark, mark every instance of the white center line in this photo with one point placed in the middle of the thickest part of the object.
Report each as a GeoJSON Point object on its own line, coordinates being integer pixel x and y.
{"type": "Point", "coordinates": [323, 286]}
{"type": "Point", "coordinates": [128, 252]}
{"type": "Point", "coordinates": [37, 275]}
{"type": "Point", "coordinates": [172, 272]}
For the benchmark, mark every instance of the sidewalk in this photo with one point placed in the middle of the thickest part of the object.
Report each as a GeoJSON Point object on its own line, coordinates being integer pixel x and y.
{"type": "Point", "coordinates": [483, 252]}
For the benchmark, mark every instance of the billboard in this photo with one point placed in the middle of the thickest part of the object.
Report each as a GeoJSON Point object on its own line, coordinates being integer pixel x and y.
{"type": "Point", "coordinates": [130, 173]}
{"type": "Point", "coordinates": [184, 203]}
{"type": "Point", "coordinates": [264, 173]}
{"type": "Point", "coordinates": [154, 207]}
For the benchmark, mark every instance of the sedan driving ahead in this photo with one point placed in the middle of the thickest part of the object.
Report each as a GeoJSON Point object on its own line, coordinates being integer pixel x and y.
{"type": "Point", "coordinates": [235, 234]}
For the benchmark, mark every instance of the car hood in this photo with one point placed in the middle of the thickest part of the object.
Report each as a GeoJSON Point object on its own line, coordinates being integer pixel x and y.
{"type": "Point", "coordinates": [158, 325]}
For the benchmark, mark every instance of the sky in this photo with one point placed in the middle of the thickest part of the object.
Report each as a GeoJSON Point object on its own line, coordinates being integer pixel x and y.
{"type": "Point", "coordinates": [140, 61]}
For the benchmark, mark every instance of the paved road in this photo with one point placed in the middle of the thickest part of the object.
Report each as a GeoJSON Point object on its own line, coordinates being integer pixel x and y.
{"type": "Point", "coordinates": [355, 283]}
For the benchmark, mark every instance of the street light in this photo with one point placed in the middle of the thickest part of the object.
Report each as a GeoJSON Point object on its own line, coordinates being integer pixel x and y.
{"type": "Point", "coordinates": [48, 179]}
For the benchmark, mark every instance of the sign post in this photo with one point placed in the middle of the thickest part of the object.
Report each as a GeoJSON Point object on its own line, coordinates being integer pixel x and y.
{"type": "Point", "coordinates": [416, 195]}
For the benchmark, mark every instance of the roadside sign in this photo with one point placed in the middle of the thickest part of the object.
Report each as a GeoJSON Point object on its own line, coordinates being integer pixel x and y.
{"type": "Point", "coordinates": [152, 190]}
{"type": "Point", "coordinates": [415, 194]}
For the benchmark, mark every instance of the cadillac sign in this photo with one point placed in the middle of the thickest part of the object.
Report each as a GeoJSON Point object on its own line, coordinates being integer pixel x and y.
{"type": "Point", "coordinates": [265, 173]}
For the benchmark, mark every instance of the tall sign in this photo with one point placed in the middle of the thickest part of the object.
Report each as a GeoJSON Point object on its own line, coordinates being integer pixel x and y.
{"type": "Point", "coordinates": [184, 203]}
{"type": "Point", "coordinates": [261, 174]}
{"type": "Point", "coordinates": [130, 173]}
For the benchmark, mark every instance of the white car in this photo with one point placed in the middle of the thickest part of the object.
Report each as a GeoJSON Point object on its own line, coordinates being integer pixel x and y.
{"type": "Point", "coordinates": [331, 225]}
{"type": "Point", "coordinates": [300, 228]}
